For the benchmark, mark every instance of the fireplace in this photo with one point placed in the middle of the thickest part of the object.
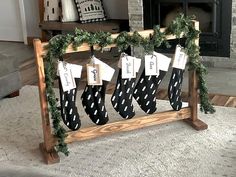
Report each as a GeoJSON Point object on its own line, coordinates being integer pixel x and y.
{"type": "Point", "coordinates": [214, 17]}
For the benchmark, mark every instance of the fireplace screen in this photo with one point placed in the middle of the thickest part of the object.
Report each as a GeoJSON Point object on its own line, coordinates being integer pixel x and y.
{"type": "Point", "coordinates": [204, 13]}
{"type": "Point", "coordinates": [214, 17]}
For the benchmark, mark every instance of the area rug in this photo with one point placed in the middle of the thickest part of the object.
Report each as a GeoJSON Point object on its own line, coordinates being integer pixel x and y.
{"type": "Point", "coordinates": [168, 150]}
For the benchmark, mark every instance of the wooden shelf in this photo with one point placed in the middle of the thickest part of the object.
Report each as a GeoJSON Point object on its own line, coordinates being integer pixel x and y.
{"type": "Point", "coordinates": [112, 26]}
{"type": "Point", "coordinates": [56, 27]}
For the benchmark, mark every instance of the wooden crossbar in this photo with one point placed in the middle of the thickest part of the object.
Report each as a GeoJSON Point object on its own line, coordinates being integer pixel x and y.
{"type": "Point", "coordinates": [188, 114]}
{"type": "Point", "coordinates": [128, 125]}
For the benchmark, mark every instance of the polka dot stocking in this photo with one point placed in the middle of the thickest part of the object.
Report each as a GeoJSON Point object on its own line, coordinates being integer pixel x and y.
{"type": "Point", "coordinates": [69, 111]}
{"type": "Point", "coordinates": [93, 99]}
{"type": "Point", "coordinates": [122, 97]}
{"type": "Point", "coordinates": [174, 89]}
{"type": "Point", "coordinates": [145, 91]}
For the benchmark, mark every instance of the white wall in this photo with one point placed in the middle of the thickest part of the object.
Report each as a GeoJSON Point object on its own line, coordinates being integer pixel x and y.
{"type": "Point", "coordinates": [116, 9]}
{"type": "Point", "coordinates": [32, 18]}
{"type": "Point", "coordinates": [10, 21]}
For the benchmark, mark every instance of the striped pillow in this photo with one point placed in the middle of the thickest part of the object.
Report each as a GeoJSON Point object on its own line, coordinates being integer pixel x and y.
{"type": "Point", "coordinates": [52, 10]}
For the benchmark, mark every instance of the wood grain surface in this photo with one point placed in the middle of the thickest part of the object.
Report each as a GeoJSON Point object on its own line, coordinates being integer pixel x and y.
{"type": "Point", "coordinates": [128, 125]}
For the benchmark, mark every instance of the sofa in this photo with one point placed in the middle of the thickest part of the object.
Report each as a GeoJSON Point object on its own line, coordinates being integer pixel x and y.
{"type": "Point", "coordinates": [10, 81]}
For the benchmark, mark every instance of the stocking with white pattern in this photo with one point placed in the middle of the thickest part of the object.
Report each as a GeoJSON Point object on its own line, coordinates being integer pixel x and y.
{"type": "Point", "coordinates": [93, 101]}
{"type": "Point", "coordinates": [174, 88]}
{"type": "Point", "coordinates": [68, 108]}
{"type": "Point", "coordinates": [122, 97]}
{"type": "Point", "coordinates": [145, 91]}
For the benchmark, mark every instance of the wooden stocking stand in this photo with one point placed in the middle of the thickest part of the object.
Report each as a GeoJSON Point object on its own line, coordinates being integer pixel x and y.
{"type": "Point", "coordinates": [188, 114]}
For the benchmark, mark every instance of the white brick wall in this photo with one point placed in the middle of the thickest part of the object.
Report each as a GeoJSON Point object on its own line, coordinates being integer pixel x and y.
{"type": "Point", "coordinates": [135, 8]}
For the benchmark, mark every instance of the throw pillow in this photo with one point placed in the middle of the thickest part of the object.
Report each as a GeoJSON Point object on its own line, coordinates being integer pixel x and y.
{"type": "Point", "coordinates": [69, 11]}
{"type": "Point", "coordinates": [52, 10]}
{"type": "Point", "coordinates": [90, 10]}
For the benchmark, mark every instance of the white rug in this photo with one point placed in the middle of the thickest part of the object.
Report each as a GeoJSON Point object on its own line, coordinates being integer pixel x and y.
{"type": "Point", "coordinates": [168, 150]}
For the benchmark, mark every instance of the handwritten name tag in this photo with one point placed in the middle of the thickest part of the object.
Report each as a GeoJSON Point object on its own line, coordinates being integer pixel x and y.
{"type": "Point", "coordinates": [127, 65]}
{"type": "Point", "coordinates": [94, 74]}
{"type": "Point", "coordinates": [66, 76]}
{"type": "Point", "coordinates": [180, 58]}
{"type": "Point", "coordinates": [151, 65]}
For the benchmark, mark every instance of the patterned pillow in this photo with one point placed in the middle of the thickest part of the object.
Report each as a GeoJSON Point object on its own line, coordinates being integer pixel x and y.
{"type": "Point", "coordinates": [52, 10]}
{"type": "Point", "coordinates": [90, 10]}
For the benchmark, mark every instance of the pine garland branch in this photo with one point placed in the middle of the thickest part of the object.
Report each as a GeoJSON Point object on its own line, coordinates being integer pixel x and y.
{"type": "Point", "coordinates": [184, 25]}
{"type": "Point", "coordinates": [58, 130]}
{"type": "Point", "coordinates": [123, 41]}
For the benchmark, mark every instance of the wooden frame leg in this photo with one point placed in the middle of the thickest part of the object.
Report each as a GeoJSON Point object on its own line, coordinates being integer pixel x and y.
{"type": "Point", "coordinates": [193, 95]}
{"type": "Point", "coordinates": [47, 147]}
{"type": "Point", "coordinates": [49, 157]}
{"type": "Point", "coordinates": [197, 124]}
{"type": "Point", "coordinates": [193, 101]}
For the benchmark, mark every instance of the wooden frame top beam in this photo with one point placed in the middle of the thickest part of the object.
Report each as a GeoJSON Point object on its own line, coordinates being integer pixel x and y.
{"type": "Point", "coordinates": [86, 47]}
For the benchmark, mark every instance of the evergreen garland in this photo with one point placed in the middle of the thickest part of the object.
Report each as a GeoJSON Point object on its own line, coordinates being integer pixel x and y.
{"type": "Point", "coordinates": [57, 46]}
{"type": "Point", "coordinates": [184, 25]}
